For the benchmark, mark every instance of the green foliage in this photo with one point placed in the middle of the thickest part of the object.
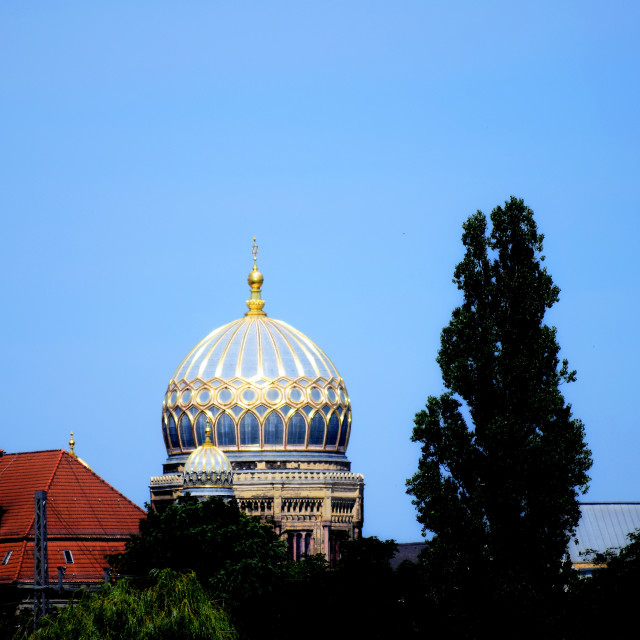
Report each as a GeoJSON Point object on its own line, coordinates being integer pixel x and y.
{"type": "Point", "coordinates": [175, 607]}
{"type": "Point", "coordinates": [237, 558]}
{"type": "Point", "coordinates": [359, 598]}
{"type": "Point", "coordinates": [234, 555]}
{"type": "Point", "coordinates": [367, 555]}
{"type": "Point", "coordinates": [503, 460]}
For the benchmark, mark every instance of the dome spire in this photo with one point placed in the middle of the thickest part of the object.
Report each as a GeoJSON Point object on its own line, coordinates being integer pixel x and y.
{"type": "Point", "coordinates": [255, 280]}
{"type": "Point", "coordinates": [207, 433]}
{"type": "Point", "coordinates": [72, 444]}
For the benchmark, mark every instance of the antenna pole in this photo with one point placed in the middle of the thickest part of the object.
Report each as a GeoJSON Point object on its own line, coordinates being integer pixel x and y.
{"type": "Point", "coordinates": [40, 560]}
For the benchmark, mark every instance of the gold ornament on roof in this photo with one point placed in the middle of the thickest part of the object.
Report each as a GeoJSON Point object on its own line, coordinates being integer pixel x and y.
{"type": "Point", "coordinates": [207, 465]}
{"type": "Point", "coordinates": [207, 433]}
{"type": "Point", "coordinates": [72, 444]}
{"type": "Point", "coordinates": [255, 280]}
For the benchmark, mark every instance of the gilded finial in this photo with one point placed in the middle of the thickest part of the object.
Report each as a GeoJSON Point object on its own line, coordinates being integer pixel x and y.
{"type": "Point", "coordinates": [72, 444]}
{"type": "Point", "coordinates": [254, 250]}
{"type": "Point", "coordinates": [255, 280]}
{"type": "Point", "coordinates": [207, 432]}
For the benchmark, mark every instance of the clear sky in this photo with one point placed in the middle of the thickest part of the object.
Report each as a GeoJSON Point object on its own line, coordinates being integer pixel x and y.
{"type": "Point", "coordinates": [144, 144]}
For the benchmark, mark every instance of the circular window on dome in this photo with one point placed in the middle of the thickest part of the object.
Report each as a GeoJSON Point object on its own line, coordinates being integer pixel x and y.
{"type": "Point", "coordinates": [296, 395]}
{"type": "Point", "coordinates": [315, 394]}
{"type": "Point", "coordinates": [273, 395]}
{"type": "Point", "coordinates": [186, 397]}
{"type": "Point", "coordinates": [249, 396]}
{"type": "Point", "coordinates": [225, 395]}
{"type": "Point", "coordinates": [204, 397]}
{"type": "Point", "coordinates": [331, 394]}
{"type": "Point", "coordinates": [173, 398]}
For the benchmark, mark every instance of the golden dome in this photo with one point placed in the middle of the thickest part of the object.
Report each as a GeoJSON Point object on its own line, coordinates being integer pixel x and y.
{"type": "Point", "coordinates": [263, 384]}
{"type": "Point", "coordinates": [207, 467]}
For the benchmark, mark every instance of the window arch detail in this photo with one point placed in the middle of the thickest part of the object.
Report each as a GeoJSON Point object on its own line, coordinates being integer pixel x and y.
{"type": "Point", "coordinates": [316, 430]}
{"type": "Point", "coordinates": [273, 429]}
{"type": "Point", "coordinates": [249, 429]}
{"type": "Point", "coordinates": [297, 430]}
{"type": "Point", "coordinates": [225, 431]}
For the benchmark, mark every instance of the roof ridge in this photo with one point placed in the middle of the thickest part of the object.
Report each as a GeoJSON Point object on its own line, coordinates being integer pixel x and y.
{"type": "Point", "coordinates": [10, 463]}
{"type": "Point", "coordinates": [55, 469]}
{"type": "Point", "coordinates": [22, 453]}
{"type": "Point", "coordinates": [611, 502]}
{"type": "Point", "coordinates": [48, 484]}
{"type": "Point", "coordinates": [101, 479]}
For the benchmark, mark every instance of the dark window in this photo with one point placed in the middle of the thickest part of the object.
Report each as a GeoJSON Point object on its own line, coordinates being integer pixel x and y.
{"type": "Point", "coordinates": [173, 433]}
{"type": "Point", "coordinates": [316, 431]}
{"type": "Point", "coordinates": [345, 428]}
{"type": "Point", "coordinates": [68, 556]}
{"type": "Point", "coordinates": [7, 557]}
{"type": "Point", "coordinates": [226, 431]}
{"type": "Point", "coordinates": [273, 429]}
{"type": "Point", "coordinates": [165, 433]}
{"type": "Point", "coordinates": [186, 431]}
{"type": "Point", "coordinates": [201, 425]}
{"type": "Point", "coordinates": [297, 432]}
{"type": "Point", "coordinates": [332, 431]}
{"type": "Point", "coordinates": [249, 429]}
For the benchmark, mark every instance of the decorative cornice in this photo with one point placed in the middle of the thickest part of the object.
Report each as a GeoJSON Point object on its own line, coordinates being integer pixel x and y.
{"type": "Point", "coordinates": [208, 479]}
{"type": "Point", "coordinates": [320, 475]}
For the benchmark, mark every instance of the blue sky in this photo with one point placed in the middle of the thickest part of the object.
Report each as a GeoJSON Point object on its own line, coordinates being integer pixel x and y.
{"type": "Point", "coordinates": [144, 145]}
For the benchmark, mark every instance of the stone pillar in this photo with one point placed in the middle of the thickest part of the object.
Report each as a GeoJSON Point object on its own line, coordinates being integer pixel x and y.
{"type": "Point", "coordinates": [277, 506]}
{"type": "Point", "coordinates": [312, 543]}
{"type": "Point", "coordinates": [327, 550]}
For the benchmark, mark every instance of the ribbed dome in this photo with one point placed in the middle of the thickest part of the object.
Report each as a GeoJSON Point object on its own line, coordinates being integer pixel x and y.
{"type": "Point", "coordinates": [255, 348]}
{"type": "Point", "coordinates": [207, 471]}
{"type": "Point", "coordinates": [207, 459]}
{"type": "Point", "coordinates": [263, 384]}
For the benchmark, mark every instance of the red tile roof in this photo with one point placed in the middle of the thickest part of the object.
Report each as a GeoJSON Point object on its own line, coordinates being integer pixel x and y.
{"type": "Point", "coordinates": [85, 515]}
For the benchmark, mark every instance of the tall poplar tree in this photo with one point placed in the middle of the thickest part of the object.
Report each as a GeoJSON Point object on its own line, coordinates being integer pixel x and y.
{"type": "Point", "coordinates": [503, 460]}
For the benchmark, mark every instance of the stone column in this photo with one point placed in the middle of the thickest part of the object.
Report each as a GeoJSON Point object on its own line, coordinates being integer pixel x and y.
{"type": "Point", "coordinates": [327, 550]}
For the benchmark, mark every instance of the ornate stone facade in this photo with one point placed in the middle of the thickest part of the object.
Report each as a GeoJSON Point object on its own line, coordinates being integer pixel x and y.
{"type": "Point", "coordinates": [307, 506]}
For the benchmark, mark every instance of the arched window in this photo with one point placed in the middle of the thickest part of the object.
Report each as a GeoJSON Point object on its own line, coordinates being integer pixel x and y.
{"type": "Point", "coordinates": [173, 433]}
{"type": "Point", "coordinates": [345, 428]}
{"type": "Point", "coordinates": [226, 431]}
{"type": "Point", "coordinates": [297, 432]}
{"type": "Point", "coordinates": [249, 429]}
{"type": "Point", "coordinates": [316, 430]}
{"type": "Point", "coordinates": [186, 431]}
{"type": "Point", "coordinates": [201, 425]}
{"type": "Point", "coordinates": [273, 429]}
{"type": "Point", "coordinates": [332, 431]}
{"type": "Point", "coordinates": [165, 431]}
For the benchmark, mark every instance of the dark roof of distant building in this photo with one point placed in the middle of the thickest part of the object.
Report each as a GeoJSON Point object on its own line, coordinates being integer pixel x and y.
{"type": "Point", "coordinates": [602, 526]}
{"type": "Point", "coordinates": [85, 515]}
{"type": "Point", "coordinates": [407, 551]}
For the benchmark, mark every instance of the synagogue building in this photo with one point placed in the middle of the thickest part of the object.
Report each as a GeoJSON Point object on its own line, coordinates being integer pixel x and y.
{"type": "Point", "coordinates": [267, 398]}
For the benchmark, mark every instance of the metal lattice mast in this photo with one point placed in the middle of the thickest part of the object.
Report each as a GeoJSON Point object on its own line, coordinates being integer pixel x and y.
{"type": "Point", "coordinates": [40, 560]}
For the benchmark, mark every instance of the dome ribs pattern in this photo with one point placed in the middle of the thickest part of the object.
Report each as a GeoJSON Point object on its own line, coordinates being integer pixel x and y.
{"type": "Point", "coordinates": [287, 353]}
{"type": "Point", "coordinates": [264, 385]}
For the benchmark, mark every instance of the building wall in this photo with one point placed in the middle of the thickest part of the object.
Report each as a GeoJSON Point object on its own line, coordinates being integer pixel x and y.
{"type": "Point", "coordinates": [311, 508]}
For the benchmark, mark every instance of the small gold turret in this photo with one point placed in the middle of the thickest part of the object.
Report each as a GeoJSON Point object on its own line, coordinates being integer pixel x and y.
{"type": "Point", "coordinates": [207, 433]}
{"type": "Point", "coordinates": [72, 444]}
{"type": "Point", "coordinates": [255, 280]}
